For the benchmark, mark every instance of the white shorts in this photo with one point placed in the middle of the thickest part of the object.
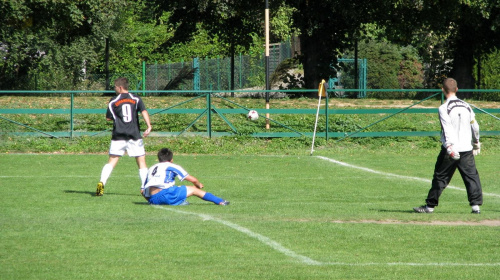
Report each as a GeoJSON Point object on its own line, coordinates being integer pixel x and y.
{"type": "Point", "coordinates": [134, 148]}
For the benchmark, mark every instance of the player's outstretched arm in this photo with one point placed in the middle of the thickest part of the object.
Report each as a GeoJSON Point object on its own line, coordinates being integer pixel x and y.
{"type": "Point", "coordinates": [195, 181]}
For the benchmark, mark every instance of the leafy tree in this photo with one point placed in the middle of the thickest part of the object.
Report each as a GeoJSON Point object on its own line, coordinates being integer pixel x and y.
{"type": "Point", "coordinates": [327, 29]}
{"type": "Point", "coordinates": [137, 39]}
{"type": "Point", "coordinates": [231, 22]}
{"type": "Point", "coordinates": [390, 67]}
{"type": "Point", "coordinates": [490, 71]}
{"type": "Point", "coordinates": [410, 73]}
{"type": "Point", "coordinates": [53, 40]}
{"type": "Point", "coordinates": [281, 23]}
{"type": "Point", "coordinates": [452, 30]}
{"type": "Point", "coordinates": [448, 33]}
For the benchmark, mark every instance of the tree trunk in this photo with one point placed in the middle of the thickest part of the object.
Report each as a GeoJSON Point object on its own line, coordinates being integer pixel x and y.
{"type": "Point", "coordinates": [463, 61]}
{"type": "Point", "coordinates": [316, 59]}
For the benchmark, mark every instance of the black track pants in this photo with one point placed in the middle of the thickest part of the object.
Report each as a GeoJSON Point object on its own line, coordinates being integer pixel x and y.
{"type": "Point", "coordinates": [443, 172]}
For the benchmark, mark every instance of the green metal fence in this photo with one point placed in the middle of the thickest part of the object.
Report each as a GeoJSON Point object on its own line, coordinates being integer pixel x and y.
{"type": "Point", "coordinates": [215, 73]}
{"type": "Point", "coordinates": [210, 118]}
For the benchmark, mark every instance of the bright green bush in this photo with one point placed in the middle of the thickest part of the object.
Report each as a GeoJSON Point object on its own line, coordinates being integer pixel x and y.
{"type": "Point", "coordinates": [490, 74]}
{"type": "Point", "coordinates": [391, 67]}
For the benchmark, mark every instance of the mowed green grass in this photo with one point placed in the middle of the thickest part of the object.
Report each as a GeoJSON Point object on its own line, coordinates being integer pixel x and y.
{"type": "Point", "coordinates": [291, 217]}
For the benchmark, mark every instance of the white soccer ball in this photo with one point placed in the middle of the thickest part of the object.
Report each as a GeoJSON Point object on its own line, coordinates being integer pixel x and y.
{"type": "Point", "coordinates": [253, 115]}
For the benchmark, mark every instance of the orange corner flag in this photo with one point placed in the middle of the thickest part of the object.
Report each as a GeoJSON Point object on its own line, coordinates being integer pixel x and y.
{"type": "Point", "coordinates": [322, 89]}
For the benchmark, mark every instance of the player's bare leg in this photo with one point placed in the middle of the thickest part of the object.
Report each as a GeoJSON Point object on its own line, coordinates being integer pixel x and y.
{"type": "Point", "coordinates": [205, 196]}
{"type": "Point", "coordinates": [105, 173]}
{"type": "Point", "coordinates": [143, 168]}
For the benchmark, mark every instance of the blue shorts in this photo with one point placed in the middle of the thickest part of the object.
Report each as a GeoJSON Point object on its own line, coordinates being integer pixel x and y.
{"type": "Point", "coordinates": [174, 195]}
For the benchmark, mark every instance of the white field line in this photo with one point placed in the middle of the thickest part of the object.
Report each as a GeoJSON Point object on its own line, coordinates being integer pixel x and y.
{"type": "Point", "coordinates": [303, 259]}
{"type": "Point", "coordinates": [395, 175]}
{"type": "Point", "coordinates": [266, 240]}
{"type": "Point", "coordinates": [410, 264]}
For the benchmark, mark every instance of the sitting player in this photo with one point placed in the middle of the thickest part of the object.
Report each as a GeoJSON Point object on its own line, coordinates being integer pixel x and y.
{"type": "Point", "coordinates": [160, 188]}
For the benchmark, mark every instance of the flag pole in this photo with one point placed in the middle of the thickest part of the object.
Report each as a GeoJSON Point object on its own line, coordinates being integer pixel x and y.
{"type": "Point", "coordinates": [321, 93]}
{"type": "Point", "coordinates": [268, 87]}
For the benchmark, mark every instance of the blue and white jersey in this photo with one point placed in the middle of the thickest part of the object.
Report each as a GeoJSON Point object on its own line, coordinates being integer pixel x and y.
{"type": "Point", "coordinates": [162, 175]}
{"type": "Point", "coordinates": [458, 124]}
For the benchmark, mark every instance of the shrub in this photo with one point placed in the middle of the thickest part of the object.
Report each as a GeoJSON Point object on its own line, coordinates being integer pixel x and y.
{"type": "Point", "coordinates": [391, 67]}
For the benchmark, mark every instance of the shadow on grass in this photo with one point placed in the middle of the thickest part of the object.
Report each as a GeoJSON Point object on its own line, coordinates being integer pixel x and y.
{"type": "Point", "coordinates": [141, 203]}
{"type": "Point", "coordinates": [394, 211]}
{"type": "Point", "coordinates": [179, 206]}
{"type": "Point", "coordinates": [92, 193]}
{"type": "Point", "coordinates": [413, 212]}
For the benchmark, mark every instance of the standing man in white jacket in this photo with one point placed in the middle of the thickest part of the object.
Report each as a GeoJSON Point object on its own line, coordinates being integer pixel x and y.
{"type": "Point", "coordinates": [460, 138]}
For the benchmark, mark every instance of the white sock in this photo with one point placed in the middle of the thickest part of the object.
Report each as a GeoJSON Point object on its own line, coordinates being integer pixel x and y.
{"type": "Point", "coordinates": [143, 173]}
{"type": "Point", "coordinates": [105, 173]}
{"type": "Point", "coordinates": [475, 207]}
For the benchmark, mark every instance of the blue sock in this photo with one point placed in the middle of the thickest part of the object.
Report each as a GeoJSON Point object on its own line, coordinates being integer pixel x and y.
{"type": "Point", "coordinates": [212, 198]}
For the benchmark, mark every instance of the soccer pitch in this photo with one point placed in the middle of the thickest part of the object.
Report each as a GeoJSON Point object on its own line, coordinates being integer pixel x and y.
{"type": "Point", "coordinates": [342, 216]}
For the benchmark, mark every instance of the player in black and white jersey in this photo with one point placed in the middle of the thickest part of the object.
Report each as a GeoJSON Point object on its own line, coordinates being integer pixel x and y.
{"type": "Point", "coordinates": [124, 111]}
{"type": "Point", "coordinates": [460, 138]}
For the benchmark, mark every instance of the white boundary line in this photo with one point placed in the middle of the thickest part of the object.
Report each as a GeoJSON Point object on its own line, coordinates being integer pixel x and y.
{"type": "Point", "coordinates": [395, 175]}
{"type": "Point", "coordinates": [303, 259]}
{"type": "Point", "coordinates": [266, 240]}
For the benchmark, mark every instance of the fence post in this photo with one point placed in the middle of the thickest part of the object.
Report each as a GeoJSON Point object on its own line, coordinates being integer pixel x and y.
{"type": "Point", "coordinates": [241, 72]}
{"type": "Point", "coordinates": [326, 113]}
{"type": "Point", "coordinates": [209, 114]}
{"type": "Point", "coordinates": [156, 74]}
{"type": "Point", "coordinates": [365, 66]}
{"type": "Point", "coordinates": [143, 78]}
{"type": "Point", "coordinates": [168, 70]}
{"type": "Point", "coordinates": [218, 73]}
{"type": "Point", "coordinates": [182, 66]}
{"type": "Point", "coordinates": [71, 118]}
{"type": "Point", "coordinates": [230, 76]}
{"type": "Point", "coordinates": [208, 85]}
{"type": "Point", "coordinates": [196, 79]}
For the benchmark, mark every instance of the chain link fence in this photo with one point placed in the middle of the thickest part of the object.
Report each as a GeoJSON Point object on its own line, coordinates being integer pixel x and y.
{"type": "Point", "coordinates": [215, 74]}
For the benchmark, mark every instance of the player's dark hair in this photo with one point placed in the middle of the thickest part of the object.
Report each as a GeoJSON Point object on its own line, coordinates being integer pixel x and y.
{"type": "Point", "coordinates": [450, 85]}
{"type": "Point", "coordinates": [122, 82]}
{"type": "Point", "coordinates": [165, 154]}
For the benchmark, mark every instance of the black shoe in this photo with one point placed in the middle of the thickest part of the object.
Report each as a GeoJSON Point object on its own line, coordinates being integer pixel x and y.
{"type": "Point", "coordinates": [423, 209]}
{"type": "Point", "coordinates": [476, 212]}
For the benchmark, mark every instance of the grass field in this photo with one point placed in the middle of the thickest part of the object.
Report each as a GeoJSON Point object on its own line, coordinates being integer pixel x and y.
{"type": "Point", "coordinates": [291, 217]}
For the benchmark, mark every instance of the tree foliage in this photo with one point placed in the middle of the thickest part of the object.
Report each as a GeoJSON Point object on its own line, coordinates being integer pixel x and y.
{"type": "Point", "coordinates": [489, 69]}
{"type": "Point", "coordinates": [282, 27]}
{"type": "Point", "coordinates": [327, 29]}
{"type": "Point", "coordinates": [62, 42]}
{"type": "Point", "coordinates": [390, 67]}
{"type": "Point", "coordinates": [231, 23]}
{"type": "Point", "coordinates": [451, 32]}
{"type": "Point", "coordinates": [53, 40]}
